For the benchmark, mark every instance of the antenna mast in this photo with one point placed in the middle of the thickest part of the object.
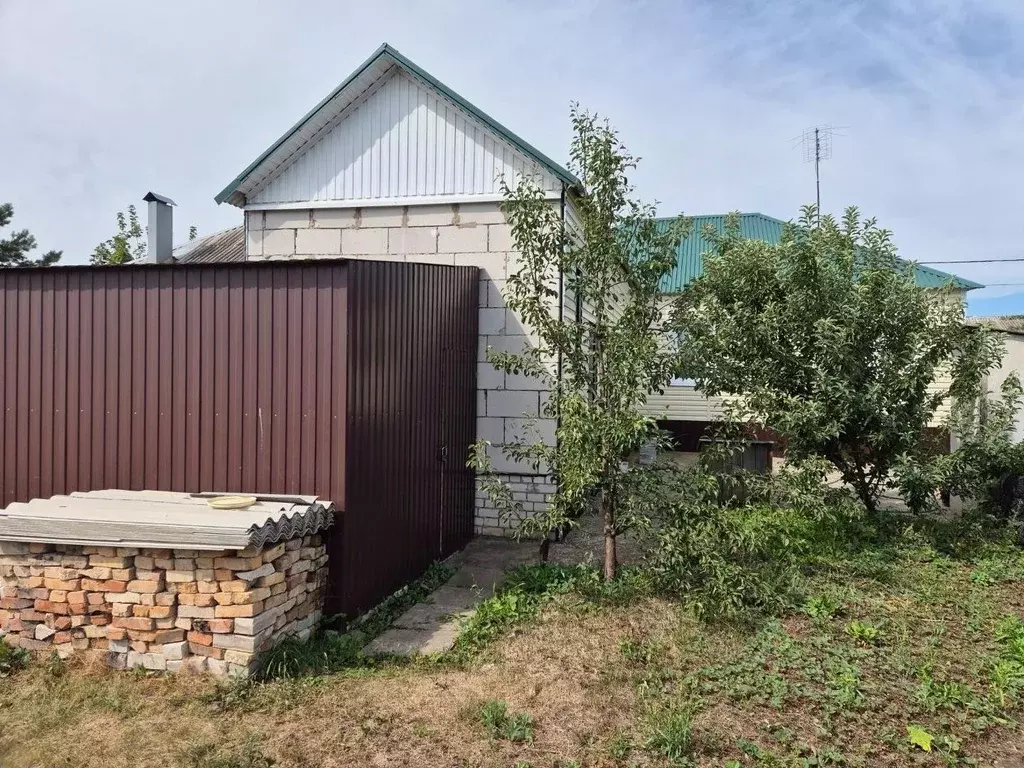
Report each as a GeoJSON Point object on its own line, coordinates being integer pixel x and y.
{"type": "Point", "coordinates": [817, 146]}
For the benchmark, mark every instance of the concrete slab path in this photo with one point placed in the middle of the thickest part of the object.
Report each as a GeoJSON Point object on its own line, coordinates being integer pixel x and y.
{"type": "Point", "coordinates": [433, 625]}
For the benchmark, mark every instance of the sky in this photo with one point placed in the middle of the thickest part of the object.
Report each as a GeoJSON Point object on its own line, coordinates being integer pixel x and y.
{"type": "Point", "coordinates": [104, 101]}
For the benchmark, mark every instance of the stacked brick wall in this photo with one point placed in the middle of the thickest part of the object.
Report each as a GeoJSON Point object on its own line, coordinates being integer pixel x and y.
{"type": "Point", "coordinates": [474, 234]}
{"type": "Point", "coordinates": [531, 492]}
{"type": "Point", "coordinates": [161, 609]}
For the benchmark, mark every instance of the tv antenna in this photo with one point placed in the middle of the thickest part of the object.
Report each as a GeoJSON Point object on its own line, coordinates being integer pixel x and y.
{"type": "Point", "coordinates": [816, 143]}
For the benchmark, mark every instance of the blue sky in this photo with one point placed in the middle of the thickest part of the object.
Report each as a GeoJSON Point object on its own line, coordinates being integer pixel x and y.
{"type": "Point", "coordinates": [117, 98]}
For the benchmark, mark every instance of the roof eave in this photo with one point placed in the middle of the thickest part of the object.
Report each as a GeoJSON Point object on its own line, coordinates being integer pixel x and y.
{"type": "Point", "coordinates": [967, 285]}
{"type": "Point", "coordinates": [232, 195]}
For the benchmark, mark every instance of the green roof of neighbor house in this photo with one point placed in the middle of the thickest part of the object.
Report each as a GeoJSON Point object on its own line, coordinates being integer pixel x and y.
{"type": "Point", "coordinates": [757, 226]}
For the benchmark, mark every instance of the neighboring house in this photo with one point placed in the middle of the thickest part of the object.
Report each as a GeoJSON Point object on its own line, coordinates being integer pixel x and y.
{"type": "Point", "coordinates": [687, 413]}
{"type": "Point", "coordinates": [1011, 328]}
{"type": "Point", "coordinates": [394, 165]}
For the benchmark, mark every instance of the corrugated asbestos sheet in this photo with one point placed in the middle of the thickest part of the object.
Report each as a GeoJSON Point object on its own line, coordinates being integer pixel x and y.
{"type": "Point", "coordinates": [1006, 323]}
{"type": "Point", "coordinates": [757, 226]}
{"type": "Point", "coordinates": [163, 520]}
{"type": "Point", "coordinates": [220, 247]}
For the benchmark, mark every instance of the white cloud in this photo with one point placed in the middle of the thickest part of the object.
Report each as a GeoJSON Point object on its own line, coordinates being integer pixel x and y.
{"type": "Point", "coordinates": [114, 99]}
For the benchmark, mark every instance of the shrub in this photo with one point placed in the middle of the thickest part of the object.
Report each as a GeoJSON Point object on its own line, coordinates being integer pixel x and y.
{"type": "Point", "coordinates": [729, 561]}
{"type": "Point", "coordinates": [12, 659]}
{"type": "Point", "coordinates": [989, 464]}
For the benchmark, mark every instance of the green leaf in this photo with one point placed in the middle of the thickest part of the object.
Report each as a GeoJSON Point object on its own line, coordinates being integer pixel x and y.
{"type": "Point", "coordinates": [919, 737]}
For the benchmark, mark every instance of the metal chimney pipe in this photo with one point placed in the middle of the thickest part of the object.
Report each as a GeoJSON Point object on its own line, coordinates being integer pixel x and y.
{"type": "Point", "coordinates": [160, 226]}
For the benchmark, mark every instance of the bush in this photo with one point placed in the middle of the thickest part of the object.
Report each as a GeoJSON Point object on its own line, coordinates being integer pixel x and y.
{"type": "Point", "coordinates": [12, 659]}
{"type": "Point", "coordinates": [729, 561]}
{"type": "Point", "coordinates": [988, 465]}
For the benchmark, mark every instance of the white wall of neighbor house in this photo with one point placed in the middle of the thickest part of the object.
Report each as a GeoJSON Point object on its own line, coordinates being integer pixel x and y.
{"type": "Point", "coordinates": [1012, 362]}
{"type": "Point", "coordinates": [471, 234]}
{"type": "Point", "coordinates": [680, 401]}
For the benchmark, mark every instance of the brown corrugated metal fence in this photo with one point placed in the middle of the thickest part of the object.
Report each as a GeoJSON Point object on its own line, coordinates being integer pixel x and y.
{"type": "Point", "coordinates": [412, 417]}
{"type": "Point", "coordinates": [237, 378]}
{"type": "Point", "coordinates": [181, 378]}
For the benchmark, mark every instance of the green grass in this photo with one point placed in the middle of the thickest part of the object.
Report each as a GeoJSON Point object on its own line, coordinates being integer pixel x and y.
{"type": "Point", "coordinates": [519, 600]}
{"type": "Point", "coordinates": [900, 634]}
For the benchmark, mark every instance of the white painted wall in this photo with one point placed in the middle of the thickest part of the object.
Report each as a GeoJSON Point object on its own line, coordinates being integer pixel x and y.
{"type": "Point", "coordinates": [1013, 360]}
{"type": "Point", "coordinates": [401, 140]}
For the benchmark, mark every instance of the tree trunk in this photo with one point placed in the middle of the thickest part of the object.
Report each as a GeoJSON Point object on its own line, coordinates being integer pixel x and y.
{"type": "Point", "coordinates": [610, 555]}
{"type": "Point", "coordinates": [864, 490]}
{"type": "Point", "coordinates": [545, 546]}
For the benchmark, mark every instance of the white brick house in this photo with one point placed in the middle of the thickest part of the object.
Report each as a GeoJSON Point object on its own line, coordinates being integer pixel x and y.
{"type": "Point", "coordinates": [394, 165]}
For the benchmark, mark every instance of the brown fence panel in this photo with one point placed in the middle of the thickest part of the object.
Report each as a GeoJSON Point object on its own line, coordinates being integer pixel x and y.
{"type": "Point", "coordinates": [411, 417]}
{"type": "Point", "coordinates": [171, 378]}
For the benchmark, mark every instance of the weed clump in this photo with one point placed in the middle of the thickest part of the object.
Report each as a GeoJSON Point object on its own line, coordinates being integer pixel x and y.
{"type": "Point", "coordinates": [11, 659]}
{"type": "Point", "coordinates": [496, 720]}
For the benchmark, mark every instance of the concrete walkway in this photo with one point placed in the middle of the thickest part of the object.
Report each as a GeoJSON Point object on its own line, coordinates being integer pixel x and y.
{"type": "Point", "coordinates": [433, 625]}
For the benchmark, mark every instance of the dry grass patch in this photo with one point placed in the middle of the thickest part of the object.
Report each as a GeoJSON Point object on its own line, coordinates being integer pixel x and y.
{"type": "Point", "coordinates": [564, 671]}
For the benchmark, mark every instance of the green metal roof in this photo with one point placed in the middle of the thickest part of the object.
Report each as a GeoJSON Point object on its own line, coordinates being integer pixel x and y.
{"type": "Point", "coordinates": [386, 52]}
{"type": "Point", "coordinates": [757, 226]}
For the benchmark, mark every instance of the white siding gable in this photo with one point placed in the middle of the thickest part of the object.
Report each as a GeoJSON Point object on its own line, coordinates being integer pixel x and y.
{"type": "Point", "coordinates": [401, 141]}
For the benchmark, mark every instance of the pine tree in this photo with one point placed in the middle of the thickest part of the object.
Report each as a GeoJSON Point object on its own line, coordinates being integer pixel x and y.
{"type": "Point", "coordinates": [15, 248]}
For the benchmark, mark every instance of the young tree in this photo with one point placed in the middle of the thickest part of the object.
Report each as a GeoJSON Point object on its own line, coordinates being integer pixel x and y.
{"type": "Point", "coordinates": [826, 339]}
{"type": "Point", "coordinates": [599, 371]}
{"type": "Point", "coordinates": [128, 245]}
{"type": "Point", "coordinates": [14, 249]}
